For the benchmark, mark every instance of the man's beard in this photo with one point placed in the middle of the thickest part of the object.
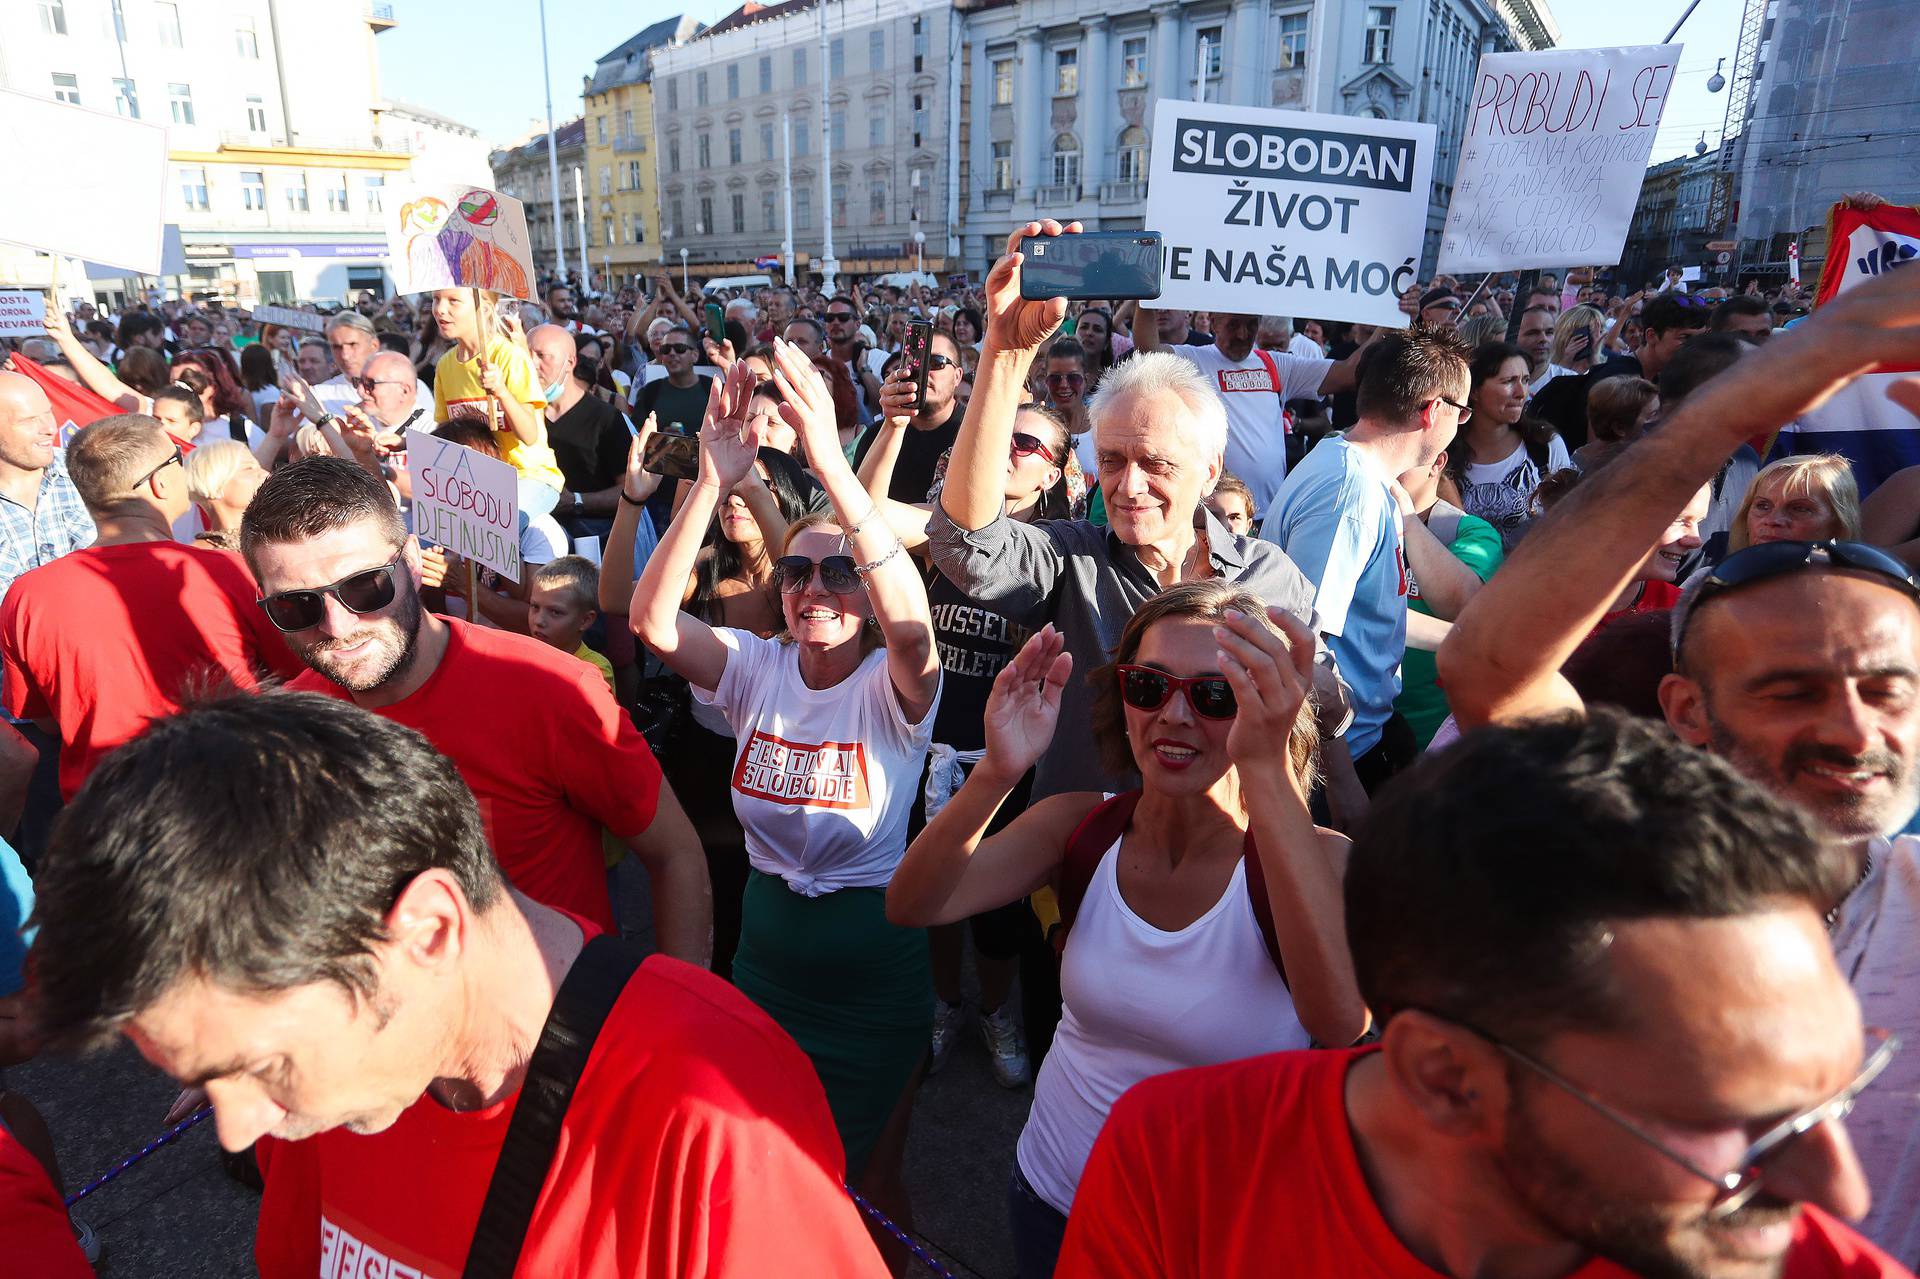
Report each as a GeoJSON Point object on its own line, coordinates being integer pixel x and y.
{"type": "Point", "coordinates": [1843, 815]}
{"type": "Point", "coordinates": [402, 623]}
{"type": "Point", "coordinates": [1630, 1234]}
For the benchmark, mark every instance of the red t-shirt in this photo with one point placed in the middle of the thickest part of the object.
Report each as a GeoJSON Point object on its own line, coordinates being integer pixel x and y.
{"type": "Point", "coordinates": [698, 1144]}
{"type": "Point", "coordinates": [1655, 597]}
{"type": "Point", "coordinates": [35, 1238]}
{"type": "Point", "coordinates": [547, 752]}
{"type": "Point", "coordinates": [1249, 1168]}
{"type": "Point", "coordinates": [106, 638]}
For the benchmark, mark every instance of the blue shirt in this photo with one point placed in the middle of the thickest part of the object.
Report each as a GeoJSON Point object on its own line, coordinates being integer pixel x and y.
{"type": "Point", "coordinates": [16, 904]}
{"type": "Point", "coordinates": [1336, 519]}
{"type": "Point", "coordinates": [58, 523]}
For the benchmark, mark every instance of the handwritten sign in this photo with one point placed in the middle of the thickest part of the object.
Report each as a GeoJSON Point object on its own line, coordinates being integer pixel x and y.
{"type": "Point", "coordinates": [465, 501]}
{"type": "Point", "coordinates": [1285, 211]}
{"type": "Point", "coordinates": [23, 313]}
{"type": "Point", "coordinates": [98, 182]}
{"type": "Point", "coordinates": [1556, 146]}
{"type": "Point", "coordinates": [288, 317]}
{"type": "Point", "coordinates": [447, 237]}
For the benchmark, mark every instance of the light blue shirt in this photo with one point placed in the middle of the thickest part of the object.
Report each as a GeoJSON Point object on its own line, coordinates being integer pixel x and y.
{"type": "Point", "coordinates": [1336, 519]}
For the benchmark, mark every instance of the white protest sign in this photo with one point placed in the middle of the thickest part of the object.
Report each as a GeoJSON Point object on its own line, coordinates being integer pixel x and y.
{"type": "Point", "coordinates": [1556, 146]}
{"type": "Point", "coordinates": [23, 313]}
{"type": "Point", "coordinates": [1288, 212]}
{"type": "Point", "coordinates": [288, 317]}
{"type": "Point", "coordinates": [465, 501]}
{"type": "Point", "coordinates": [457, 236]}
{"type": "Point", "coordinates": [85, 184]}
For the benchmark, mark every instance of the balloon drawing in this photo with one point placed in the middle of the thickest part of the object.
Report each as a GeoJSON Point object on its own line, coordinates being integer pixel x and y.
{"type": "Point", "coordinates": [462, 242]}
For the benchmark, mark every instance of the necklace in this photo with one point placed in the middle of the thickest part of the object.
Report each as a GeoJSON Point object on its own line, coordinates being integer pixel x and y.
{"type": "Point", "coordinates": [1866, 869]}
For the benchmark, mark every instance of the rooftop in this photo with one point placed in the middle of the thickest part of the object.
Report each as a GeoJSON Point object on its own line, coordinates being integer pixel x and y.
{"type": "Point", "coordinates": [628, 63]}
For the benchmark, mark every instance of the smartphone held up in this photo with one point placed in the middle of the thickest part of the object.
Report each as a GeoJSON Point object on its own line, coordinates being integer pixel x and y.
{"type": "Point", "coordinates": [1091, 265]}
{"type": "Point", "coordinates": [672, 454]}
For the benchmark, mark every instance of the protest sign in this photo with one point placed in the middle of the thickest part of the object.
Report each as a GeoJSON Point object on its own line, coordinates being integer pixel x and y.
{"type": "Point", "coordinates": [466, 502]}
{"type": "Point", "coordinates": [288, 317]}
{"type": "Point", "coordinates": [448, 237]}
{"type": "Point", "coordinates": [1287, 212]}
{"type": "Point", "coordinates": [1864, 244]}
{"type": "Point", "coordinates": [23, 313]}
{"type": "Point", "coordinates": [97, 182]}
{"type": "Point", "coordinates": [1556, 146]}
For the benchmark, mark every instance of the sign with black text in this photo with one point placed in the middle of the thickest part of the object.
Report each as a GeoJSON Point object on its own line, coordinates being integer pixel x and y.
{"type": "Point", "coordinates": [465, 501]}
{"type": "Point", "coordinates": [1556, 147]}
{"type": "Point", "coordinates": [1288, 212]}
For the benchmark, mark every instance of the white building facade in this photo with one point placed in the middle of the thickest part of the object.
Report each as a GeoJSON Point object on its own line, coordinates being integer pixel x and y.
{"type": "Point", "coordinates": [281, 149]}
{"type": "Point", "coordinates": [730, 102]}
{"type": "Point", "coordinates": [1059, 94]}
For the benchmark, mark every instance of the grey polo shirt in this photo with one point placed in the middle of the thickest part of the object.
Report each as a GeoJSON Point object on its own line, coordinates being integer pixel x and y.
{"type": "Point", "coordinates": [1087, 582]}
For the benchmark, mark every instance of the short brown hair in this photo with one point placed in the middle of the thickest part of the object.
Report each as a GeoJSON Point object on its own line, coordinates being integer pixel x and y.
{"type": "Point", "coordinates": [1615, 404]}
{"type": "Point", "coordinates": [1210, 600]}
{"type": "Point", "coordinates": [107, 456]}
{"type": "Point", "coordinates": [573, 574]}
{"type": "Point", "coordinates": [1404, 371]}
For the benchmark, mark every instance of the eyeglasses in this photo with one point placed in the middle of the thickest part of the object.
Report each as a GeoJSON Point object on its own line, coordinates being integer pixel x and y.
{"type": "Point", "coordinates": [1067, 379]}
{"type": "Point", "coordinates": [1738, 1187]}
{"type": "Point", "coordinates": [177, 458]}
{"type": "Point", "coordinates": [1772, 559]}
{"type": "Point", "coordinates": [938, 362]}
{"type": "Point", "coordinates": [367, 591]}
{"type": "Point", "coordinates": [793, 573]}
{"type": "Point", "coordinates": [675, 348]}
{"type": "Point", "coordinates": [837, 317]}
{"type": "Point", "coordinates": [1465, 410]}
{"type": "Point", "coordinates": [368, 383]}
{"type": "Point", "coordinates": [1025, 445]}
{"type": "Point", "coordinates": [1147, 689]}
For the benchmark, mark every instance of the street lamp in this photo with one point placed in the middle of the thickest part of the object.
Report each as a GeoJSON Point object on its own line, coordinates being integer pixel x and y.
{"type": "Point", "coordinates": [1718, 81]}
{"type": "Point", "coordinates": [1700, 147]}
{"type": "Point", "coordinates": [919, 242]}
{"type": "Point", "coordinates": [685, 288]}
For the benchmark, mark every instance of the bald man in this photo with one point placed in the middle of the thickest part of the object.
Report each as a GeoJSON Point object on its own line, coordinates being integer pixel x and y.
{"type": "Point", "coordinates": [589, 436]}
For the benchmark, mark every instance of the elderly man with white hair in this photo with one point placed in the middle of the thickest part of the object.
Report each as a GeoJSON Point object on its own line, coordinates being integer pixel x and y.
{"type": "Point", "coordinates": [1159, 432]}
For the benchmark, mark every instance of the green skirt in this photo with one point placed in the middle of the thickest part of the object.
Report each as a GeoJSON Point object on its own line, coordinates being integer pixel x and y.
{"type": "Point", "coordinates": [854, 991]}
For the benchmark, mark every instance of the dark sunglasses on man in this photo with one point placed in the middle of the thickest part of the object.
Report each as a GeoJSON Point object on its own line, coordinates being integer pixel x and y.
{"type": "Point", "coordinates": [1773, 559]}
{"type": "Point", "coordinates": [367, 591]}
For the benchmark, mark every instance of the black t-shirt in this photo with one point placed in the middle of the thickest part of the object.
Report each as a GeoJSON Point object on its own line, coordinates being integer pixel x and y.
{"type": "Point", "coordinates": [590, 441]}
{"type": "Point", "coordinates": [676, 408]}
{"type": "Point", "coordinates": [975, 644]}
{"type": "Point", "coordinates": [1563, 401]}
{"type": "Point", "coordinates": [920, 454]}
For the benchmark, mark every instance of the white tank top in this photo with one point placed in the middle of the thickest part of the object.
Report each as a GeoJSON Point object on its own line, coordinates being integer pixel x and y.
{"type": "Point", "coordinates": [1141, 1001]}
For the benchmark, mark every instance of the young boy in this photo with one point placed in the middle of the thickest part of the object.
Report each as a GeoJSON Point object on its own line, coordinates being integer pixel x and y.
{"type": "Point", "coordinates": [560, 607]}
{"type": "Point", "coordinates": [1232, 502]}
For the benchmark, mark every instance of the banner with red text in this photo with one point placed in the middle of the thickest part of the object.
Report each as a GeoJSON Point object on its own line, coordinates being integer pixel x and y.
{"type": "Point", "coordinates": [1555, 149]}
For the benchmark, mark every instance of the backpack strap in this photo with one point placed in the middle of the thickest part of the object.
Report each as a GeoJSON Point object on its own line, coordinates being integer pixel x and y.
{"type": "Point", "coordinates": [1262, 908]}
{"type": "Point", "coordinates": [588, 994]}
{"type": "Point", "coordinates": [1273, 371]}
{"type": "Point", "coordinates": [1090, 840]}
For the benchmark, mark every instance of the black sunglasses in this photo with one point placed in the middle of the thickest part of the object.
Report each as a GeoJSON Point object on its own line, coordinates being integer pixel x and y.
{"type": "Point", "coordinates": [937, 362]}
{"type": "Point", "coordinates": [1027, 445]}
{"type": "Point", "coordinates": [367, 591]}
{"type": "Point", "coordinates": [834, 317]}
{"type": "Point", "coordinates": [1147, 689]}
{"type": "Point", "coordinates": [176, 457]}
{"type": "Point", "coordinates": [1772, 559]}
{"type": "Point", "coordinates": [676, 348]}
{"type": "Point", "coordinates": [792, 573]}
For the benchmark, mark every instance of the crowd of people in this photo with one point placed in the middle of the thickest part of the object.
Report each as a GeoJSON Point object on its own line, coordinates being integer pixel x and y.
{"type": "Point", "coordinates": [1425, 801]}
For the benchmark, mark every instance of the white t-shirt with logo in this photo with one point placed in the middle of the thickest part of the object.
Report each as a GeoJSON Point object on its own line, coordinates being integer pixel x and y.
{"type": "Point", "coordinates": [1501, 493]}
{"type": "Point", "coordinates": [1256, 409]}
{"type": "Point", "coordinates": [823, 778]}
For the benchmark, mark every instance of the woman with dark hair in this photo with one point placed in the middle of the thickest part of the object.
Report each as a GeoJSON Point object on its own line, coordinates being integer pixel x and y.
{"type": "Point", "coordinates": [429, 344]}
{"type": "Point", "coordinates": [967, 327]}
{"type": "Point", "coordinates": [590, 368]}
{"type": "Point", "coordinates": [223, 396]}
{"type": "Point", "coordinates": [260, 378]}
{"type": "Point", "coordinates": [1202, 910]}
{"type": "Point", "coordinates": [1102, 346]}
{"type": "Point", "coordinates": [1501, 454]}
{"type": "Point", "coordinates": [1067, 384]}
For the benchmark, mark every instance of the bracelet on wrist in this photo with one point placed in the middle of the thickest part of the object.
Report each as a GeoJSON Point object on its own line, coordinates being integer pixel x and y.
{"type": "Point", "coordinates": [630, 501]}
{"type": "Point", "coordinates": [853, 530]}
{"type": "Point", "coordinates": [898, 546]}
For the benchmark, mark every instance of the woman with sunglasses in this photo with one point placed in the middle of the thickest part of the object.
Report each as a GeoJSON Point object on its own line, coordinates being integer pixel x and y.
{"type": "Point", "coordinates": [833, 718]}
{"type": "Point", "coordinates": [1165, 965]}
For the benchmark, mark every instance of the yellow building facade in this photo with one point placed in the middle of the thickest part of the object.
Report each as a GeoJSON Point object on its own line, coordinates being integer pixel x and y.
{"type": "Point", "coordinates": [623, 191]}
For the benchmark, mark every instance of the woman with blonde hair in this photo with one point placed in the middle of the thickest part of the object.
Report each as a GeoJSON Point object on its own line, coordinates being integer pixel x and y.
{"type": "Point", "coordinates": [1799, 499]}
{"type": "Point", "coordinates": [1203, 910]}
{"type": "Point", "coordinates": [1576, 339]}
{"type": "Point", "coordinates": [222, 477]}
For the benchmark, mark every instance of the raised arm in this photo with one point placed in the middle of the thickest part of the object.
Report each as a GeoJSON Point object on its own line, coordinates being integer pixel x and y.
{"type": "Point", "coordinates": [976, 485]}
{"type": "Point", "coordinates": [1446, 583]}
{"type": "Point", "coordinates": [727, 445]}
{"type": "Point", "coordinates": [948, 873]}
{"type": "Point", "coordinates": [99, 379]}
{"type": "Point", "coordinates": [896, 410]}
{"type": "Point", "coordinates": [1145, 328]}
{"type": "Point", "coordinates": [894, 587]}
{"type": "Point", "coordinates": [1504, 656]}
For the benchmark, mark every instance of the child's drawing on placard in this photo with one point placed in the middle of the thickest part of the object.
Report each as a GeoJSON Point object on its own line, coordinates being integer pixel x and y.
{"type": "Point", "coordinates": [460, 237]}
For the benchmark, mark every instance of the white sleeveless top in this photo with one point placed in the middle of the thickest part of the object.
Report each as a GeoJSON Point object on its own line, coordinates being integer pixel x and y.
{"type": "Point", "coordinates": [1141, 1001]}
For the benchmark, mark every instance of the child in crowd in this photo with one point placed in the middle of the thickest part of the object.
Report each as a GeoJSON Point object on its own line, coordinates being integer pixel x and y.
{"type": "Point", "coordinates": [180, 412]}
{"type": "Point", "coordinates": [489, 376]}
{"type": "Point", "coordinates": [561, 605]}
{"type": "Point", "coordinates": [1232, 502]}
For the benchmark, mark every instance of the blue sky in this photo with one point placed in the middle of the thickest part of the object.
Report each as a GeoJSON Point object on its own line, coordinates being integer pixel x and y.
{"type": "Point", "coordinates": [485, 71]}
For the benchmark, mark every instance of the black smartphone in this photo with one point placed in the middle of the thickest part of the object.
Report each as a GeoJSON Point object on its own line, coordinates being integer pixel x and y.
{"type": "Point", "coordinates": [673, 455]}
{"type": "Point", "coordinates": [957, 282]}
{"type": "Point", "coordinates": [1092, 264]}
{"type": "Point", "coordinates": [914, 352]}
{"type": "Point", "coordinates": [716, 323]}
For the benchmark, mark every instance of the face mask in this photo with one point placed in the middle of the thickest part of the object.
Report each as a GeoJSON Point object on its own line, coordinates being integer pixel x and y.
{"type": "Point", "coordinates": [555, 391]}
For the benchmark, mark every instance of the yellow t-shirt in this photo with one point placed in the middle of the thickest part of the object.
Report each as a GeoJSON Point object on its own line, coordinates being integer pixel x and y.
{"type": "Point", "coordinates": [600, 664]}
{"type": "Point", "coordinates": [457, 393]}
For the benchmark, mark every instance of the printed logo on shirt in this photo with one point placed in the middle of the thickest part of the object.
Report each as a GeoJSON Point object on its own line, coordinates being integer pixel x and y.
{"type": "Point", "coordinates": [1247, 380]}
{"type": "Point", "coordinates": [822, 775]}
{"type": "Point", "coordinates": [343, 1255]}
{"type": "Point", "coordinates": [475, 409]}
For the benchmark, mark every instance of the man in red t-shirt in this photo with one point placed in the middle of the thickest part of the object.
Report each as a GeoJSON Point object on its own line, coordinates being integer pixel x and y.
{"type": "Point", "coordinates": [546, 750]}
{"type": "Point", "coordinates": [1608, 1000]}
{"type": "Point", "coordinates": [108, 637]}
{"type": "Point", "coordinates": [309, 925]}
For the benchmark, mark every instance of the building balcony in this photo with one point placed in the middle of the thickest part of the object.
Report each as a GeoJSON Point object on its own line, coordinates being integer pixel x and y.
{"type": "Point", "coordinates": [1122, 192]}
{"type": "Point", "coordinates": [635, 143]}
{"type": "Point", "coordinates": [997, 201]}
{"type": "Point", "coordinates": [231, 140]}
{"type": "Point", "coordinates": [1055, 196]}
